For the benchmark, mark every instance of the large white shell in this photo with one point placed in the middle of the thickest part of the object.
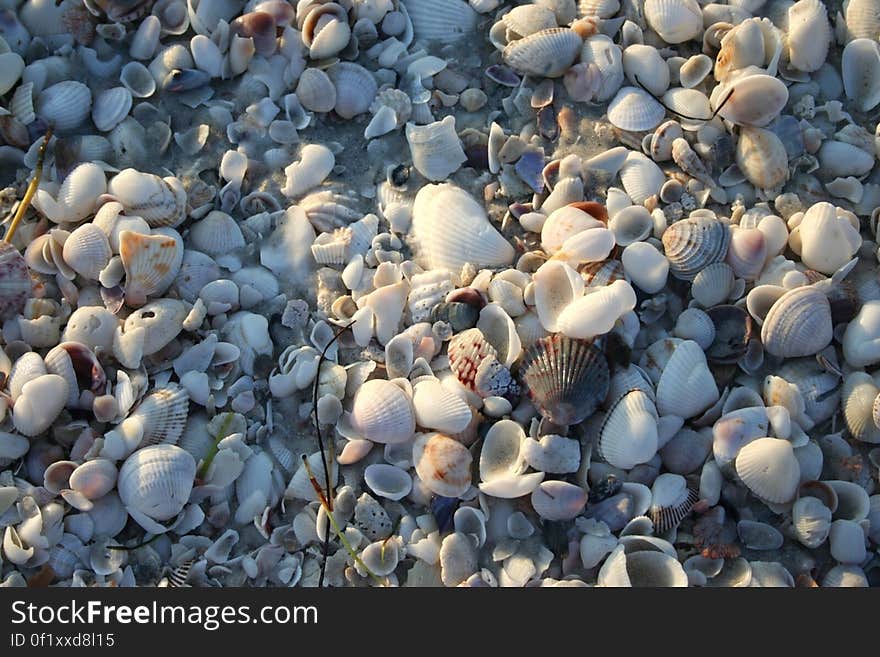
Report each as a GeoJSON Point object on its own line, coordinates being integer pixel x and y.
{"type": "Point", "coordinates": [635, 110]}
{"type": "Point", "coordinates": [314, 165]}
{"type": "Point", "coordinates": [556, 286]}
{"type": "Point", "coordinates": [770, 470]}
{"type": "Point", "coordinates": [159, 201]}
{"type": "Point", "coordinates": [753, 98]}
{"type": "Point", "coordinates": [824, 239]}
{"type": "Point", "coordinates": [646, 568]}
{"type": "Point", "coordinates": [601, 52]}
{"type": "Point", "coordinates": [860, 69]}
{"type": "Point", "coordinates": [435, 148]}
{"type": "Point", "coordinates": [629, 434]}
{"type": "Point", "coordinates": [39, 403]}
{"type": "Point", "coordinates": [809, 35]}
{"type": "Point", "coordinates": [441, 20]}
{"type": "Point", "coordinates": [798, 324]}
{"type": "Point", "coordinates": [674, 20]}
{"type": "Point", "coordinates": [156, 481]}
{"type": "Point", "coordinates": [383, 413]}
{"type": "Point", "coordinates": [644, 65]}
{"type": "Point", "coordinates": [641, 177]}
{"type": "Point", "coordinates": [548, 53]}
{"type": "Point", "coordinates": [438, 408]}
{"type": "Point", "coordinates": [450, 229]}
{"type": "Point", "coordinates": [596, 312]}
{"type": "Point", "coordinates": [686, 387]}
{"type": "Point", "coordinates": [65, 105]}
{"type": "Point", "coordinates": [76, 197]}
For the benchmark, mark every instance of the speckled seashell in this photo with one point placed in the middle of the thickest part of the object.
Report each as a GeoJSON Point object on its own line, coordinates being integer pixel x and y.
{"type": "Point", "coordinates": [435, 148]}
{"type": "Point", "coordinates": [443, 464]}
{"type": "Point", "coordinates": [217, 234]}
{"type": "Point", "coordinates": [798, 324]}
{"type": "Point", "coordinates": [675, 21]}
{"type": "Point", "coordinates": [159, 201]}
{"type": "Point", "coordinates": [15, 281]}
{"type": "Point", "coordinates": [671, 501]}
{"type": "Point", "coordinates": [548, 53]}
{"type": "Point", "coordinates": [65, 105]}
{"type": "Point", "coordinates": [151, 264]}
{"type": "Point", "coordinates": [566, 379]}
{"type": "Point", "coordinates": [110, 107]}
{"type": "Point", "coordinates": [87, 251]}
{"type": "Point", "coordinates": [628, 435]}
{"type": "Point", "coordinates": [355, 89]}
{"type": "Point", "coordinates": [466, 351]}
{"type": "Point", "coordinates": [768, 467]}
{"type": "Point", "coordinates": [383, 413]}
{"type": "Point", "coordinates": [161, 320]}
{"type": "Point", "coordinates": [156, 481]}
{"type": "Point", "coordinates": [809, 35]}
{"type": "Point", "coordinates": [693, 244]}
{"type": "Point", "coordinates": [635, 110]}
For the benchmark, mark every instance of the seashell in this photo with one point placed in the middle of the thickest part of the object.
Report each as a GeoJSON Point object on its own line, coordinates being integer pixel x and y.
{"type": "Point", "coordinates": [641, 569]}
{"type": "Point", "coordinates": [686, 451]}
{"type": "Point", "coordinates": [753, 99]}
{"type": "Point", "coordinates": [388, 481]}
{"type": "Point", "coordinates": [87, 251]}
{"type": "Point", "coordinates": [643, 64]}
{"type": "Point", "coordinates": [325, 30]}
{"type": "Point", "coordinates": [207, 56]}
{"type": "Point", "coordinates": [39, 403]}
{"type": "Point", "coordinates": [825, 240]}
{"type": "Point", "coordinates": [694, 244]}
{"type": "Point", "coordinates": [641, 177]}
{"type": "Point", "coordinates": [761, 157]}
{"type": "Point", "coordinates": [558, 500]}
{"type": "Point", "coordinates": [111, 106]}
{"type": "Point", "coordinates": [671, 501]}
{"type": "Point", "coordinates": [444, 21]}
{"type": "Point", "coordinates": [860, 65]}
{"type": "Point", "coordinates": [15, 281]}
{"type": "Point", "coordinates": [838, 159]}
{"type": "Point", "coordinates": [552, 453]}
{"type": "Point", "coordinates": [155, 482]}
{"type": "Point", "coordinates": [161, 320]}
{"type": "Point", "coordinates": [355, 89]}
{"type": "Point", "coordinates": [811, 520]}
{"type": "Point", "coordinates": [528, 19]}
{"type": "Point", "coordinates": [686, 387]}
{"type": "Point", "coordinates": [735, 429]}
{"type": "Point", "coordinates": [635, 110]}
{"type": "Point", "coordinates": [631, 224]}
{"type": "Point", "coordinates": [316, 91]}
{"type": "Point", "coordinates": [438, 240]}
{"type": "Point", "coordinates": [660, 148]}
{"type": "Point", "coordinates": [596, 312]}
{"type": "Point", "coordinates": [65, 105]}
{"type": "Point", "coordinates": [438, 408]}
{"type": "Point", "coordinates": [646, 266]}
{"type": "Point", "coordinates": [138, 80]}
{"type": "Point", "coordinates": [94, 478]}
{"type": "Point", "coordinates": [768, 467]}
{"type": "Point", "coordinates": [300, 488]}
{"type": "Point", "coordinates": [694, 324]}
{"type": "Point", "coordinates": [798, 324]}
{"type": "Point", "coordinates": [857, 399]}
{"type": "Point", "coordinates": [566, 378]}
{"type": "Point", "coordinates": [443, 464]}
{"type": "Point", "coordinates": [261, 27]}
{"type": "Point", "coordinates": [695, 70]}
{"type": "Point", "coordinates": [563, 224]}
{"type": "Point", "coordinates": [556, 285]}
{"type": "Point", "coordinates": [847, 542]}
{"type": "Point", "coordinates": [759, 535]}
{"type": "Point", "coordinates": [76, 197]}
{"type": "Point", "coordinates": [629, 433]}
{"type": "Point", "coordinates": [196, 270]}
{"type": "Point", "coordinates": [500, 456]}
{"type": "Point", "coordinates": [383, 413]}
{"type": "Point", "coordinates": [159, 201]}
{"type": "Point", "coordinates": [216, 235]}
{"type": "Point", "coordinates": [809, 35]}
{"type": "Point", "coordinates": [676, 21]}
{"type": "Point", "coordinates": [499, 331]}
{"type": "Point", "coordinates": [845, 576]}
{"type": "Point", "coordinates": [159, 418]}
{"type": "Point", "coordinates": [860, 338]}
{"type": "Point", "coordinates": [853, 502]}
{"type": "Point", "coordinates": [72, 360]}
{"type": "Point", "coordinates": [458, 554]}
{"type": "Point", "coordinates": [315, 164]}
{"type": "Point", "coordinates": [548, 53]}
{"type": "Point", "coordinates": [747, 252]}
{"type": "Point", "coordinates": [435, 148]}
{"type": "Point", "coordinates": [603, 59]}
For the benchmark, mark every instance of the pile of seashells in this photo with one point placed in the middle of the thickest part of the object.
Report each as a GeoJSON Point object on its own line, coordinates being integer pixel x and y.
{"type": "Point", "coordinates": [574, 293]}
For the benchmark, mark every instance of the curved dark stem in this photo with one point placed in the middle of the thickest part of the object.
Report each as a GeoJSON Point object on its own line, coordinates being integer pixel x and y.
{"type": "Point", "coordinates": [684, 116]}
{"type": "Point", "coordinates": [326, 548]}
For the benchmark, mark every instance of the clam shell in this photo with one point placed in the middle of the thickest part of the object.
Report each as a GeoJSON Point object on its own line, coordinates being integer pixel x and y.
{"type": "Point", "coordinates": [216, 234]}
{"type": "Point", "coordinates": [72, 360]}
{"type": "Point", "coordinates": [857, 399]}
{"type": "Point", "coordinates": [435, 148]}
{"type": "Point", "coordinates": [811, 520]}
{"type": "Point", "coordinates": [87, 251]}
{"type": "Point", "coordinates": [548, 53]}
{"type": "Point", "coordinates": [860, 70]}
{"type": "Point", "coordinates": [754, 99]}
{"type": "Point", "coordinates": [388, 481]}
{"type": "Point", "coordinates": [643, 64]}
{"type": "Point", "coordinates": [845, 576]}
{"type": "Point", "coordinates": [847, 542]}
{"type": "Point", "coordinates": [761, 157]}
{"type": "Point", "coordinates": [768, 467]}
{"type": "Point", "coordinates": [693, 244]}
{"type": "Point", "coordinates": [635, 110]}
{"type": "Point", "coordinates": [159, 201]}
{"type": "Point", "coordinates": [736, 429]}
{"type": "Point", "coordinates": [39, 403]}
{"type": "Point", "coordinates": [325, 30]}
{"type": "Point", "coordinates": [686, 387]}
{"type": "Point", "coordinates": [156, 481]}
{"type": "Point", "coordinates": [316, 90]}
{"type": "Point", "coordinates": [558, 500]}
{"type": "Point", "coordinates": [443, 464]}
{"type": "Point", "coordinates": [500, 456]}
{"type": "Point", "coordinates": [566, 378]}
{"type": "Point", "coordinates": [445, 21]}
{"type": "Point", "coordinates": [747, 252]}
{"type": "Point", "coordinates": [383, 413]}
{"type": "Point", "coordinates": [65, 105]}
{"type": "Point", "coordinates": [629, 433]}
{"type": "Point", "coordinates": [563, 224]}
{"type": "Point", "coordinates": [438, 408]}
{"type": "Point", "coordinates": [355, 89]}
{"type": "Point", "coordinates": [809, 35]}
{"type": "Point", "coordinates": [798, 324]}
{"type": "Point", "coordinates": [695, 70]}
{"type": "Point", "coordinates": [110, 107]}
{"type": "Point", "coordinates": [671, 501]}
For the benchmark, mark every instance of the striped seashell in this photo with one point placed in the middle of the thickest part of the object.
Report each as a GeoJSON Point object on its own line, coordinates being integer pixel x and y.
{"type": "Point", "coordinates": [598, 8]}
{"type": "Point", "coordinates": [65, 105]}
{"type": "Point", "coordinates": [151, 264]}
{"type": "Point", "coordinates": [641, 177]}
{"type": "Point", "coordinates": [440, 409]}
{"type": "Point", "coordinates": [466, 351]}
{"type": "Point", "coordinates": [528, 19]}
{"type": "Point", "coordinates": [444, 21]}
{"type": "Point", "coordinates": [635, 110]}
{"type": "Point", "coordinates": [798, 324]}
{"type": "Point", "coordinates": [857, 399]}
{"type": "Point", "coordinates": [628, 435]}
{"type": "Point", "coordinates": [811, 521]}
{"type": "Point", "coordinates": [862, 19]}
{"type": "Point", "coordinates": [196, 270]}
{"type": "Point", "coordinates": [566, 379]}
{"type": "Point", "coordinates": [355, 89]}
{"type": "Point", "coordinates": [548, 53]}
{"type": "Point", "coordinates": [111, 106]}
{"type": "Point", "coordinates": [315, 90]}
{"type": "Point", "coordinates": [768, 467]}
{"type": "Point", "coordinates": [77, 196]}
{"type": "Point", "coordinates": [382, 412]}
{"type": "Point", "coordinates": [671, 501]}
{"type": "Point", "coordinates": [600, 274]}
{"type": "Point", "coordinates": [155, 482]}
{"type": "Point", "coordinates": [686, 387]}
{"type": "Point", "coordinates": [159, 201]}
{"type": "Point", "coordinates": [87, 251]}
{"type": "Point", "coordinates": [693, 244]}
{"type": "Point", "coordinates": [216, 234]}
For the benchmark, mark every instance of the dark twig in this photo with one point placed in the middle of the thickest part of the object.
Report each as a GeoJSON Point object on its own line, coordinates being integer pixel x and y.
{"type": "Point", "coordinates": [329, 503]}
{"type": "Point", "coordinates": [684, 116]}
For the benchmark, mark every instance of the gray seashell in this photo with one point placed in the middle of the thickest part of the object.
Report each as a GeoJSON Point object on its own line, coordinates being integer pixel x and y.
{"type": "Point", "coordinates": [759, 535]}
{"type": "Point", "coordinates": [65, 105]}
{"type": "Point", "coordinates": [156, 482]}
{"type": "Point", "coordinates": [693, 244]}
{"type": "Point", "coordinates": [111, 107]}
{"type": "Point", "coordinates": [548, 53]}
{"type": "Point", "coordinates": [138, 80]}
{"type": "Point", "coordinates": [798, 324]}
{"type": "Point", "coordinates": [355, 89]}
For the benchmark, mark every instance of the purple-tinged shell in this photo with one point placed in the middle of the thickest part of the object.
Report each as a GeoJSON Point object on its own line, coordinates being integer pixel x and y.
{"type": "Point", "coordinates": [15, 281]}
{"type": "Point", "coordinates": [503, 75]}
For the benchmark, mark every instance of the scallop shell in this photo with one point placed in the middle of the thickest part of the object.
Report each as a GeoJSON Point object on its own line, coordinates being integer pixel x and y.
{"type": "Point", "coordinates": [686, 387]}
{"type": "Point", "coordinates": [646, 568]}
{"type": "Point", "coordinates": [548, 53]}
{"type": "Point", "coordinates": [671, 501]}
{"type": "Point", "coordinates": [151, 263]}
{"type": "Point", "coordinates": [87, 251]}
{"type": "Point", "coordinates": [528, 19]}
{"type": "Point", "coordinates": [466, 351]}
{"type": "Point", "coordinates": [635, 110]}
{"type": "Point", "coordinates": [695, 243]}
{"type": "Point", "coordinates": [675, 21]}
{"type": "Point", "coordinates": [216, 235]}
{"type": "Point", "coordinates": [768, 467]}
{"type": "Point", "coordinates": [383, 413]}
{"type": "Point", "coordinates": [314, 165]}
{"type": "Point", "coordinates": [159, 201]}
{"type": "Point", "coordinates": [798, 324]}
{"type": "Point", "coordinates": [442, 215]}
{"type": "Point", "coordinates": [316, 91]}
{"type": "Point", "coordinates": [566, 378]}
{"type": "Point", "coordinates": [15, 281]}
{"type": "Point", "coordinates": [440, 409]}
{"type": "Point", "coordinates": [355, 89]}
{"type": "Point", "coordinates": [196, 270]}
{"type": "Point", "coordinates": [435, 148]}
{"type": "Point", "coordinates": [445, 21]}
{"type": "Point", "coordinates": [77, 196]}
{"type": "Point", "coordinates": [443, 464]}
{"type": "Point", "coordinates": [111, 106]}
{"type": "Point", "coordinates": [860, 70]}
{"type": "Point", "coordinates": [809, 35]}
{"type": "Point", "coordinates": [65, 105]}
{"type": "Point", "coordinates": [857, 399]}
{"type": "Point", "coordinates": [628, 436]}
{"type": "Point", "coordinates": [156, 481]}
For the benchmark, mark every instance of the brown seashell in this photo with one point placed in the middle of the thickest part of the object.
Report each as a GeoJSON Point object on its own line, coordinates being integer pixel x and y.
{"type": "Point", "coordinates": [261, 27]}
{"type": "Point", "coordinates": [592, 208]}
{"type": "Point", "coordinates": [443, 464]}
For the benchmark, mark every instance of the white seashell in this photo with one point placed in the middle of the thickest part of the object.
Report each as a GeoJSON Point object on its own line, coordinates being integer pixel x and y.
{"type": "Point", "coordinates": [138, 80]}
{"type": "Point", "coordinates": [645, 265]}
{"type": "Point", "coordinates": [798, 323]}
{"type": "Point", "coordinates": [761, 157]}
{"type": "Point", "coordinates": [557, 285]}
{"type": "Point", "coordinates": [552, 453]}
{"type": "Point", "coordinates": [847, 542]}
{"type": "Point", "coordinates": [65, 105]}
{"type": "Point", "coordinates": [695, 70]}
{"type": "Point", "coordinates": [443, 464]}
{"type": "Point", "coordinates": [87, 251]}
{"type": "Point", "coordinates": [458, 554]}
{"type": "Point", "coordinates": [811, 520]}
{"type": "Point", "coordinates": [161, 320]}
{"type": "Point", "coordinates": [315, 90]}
{"type": "Point", "coordinates": [94, 478]}
{"type": "Point", "coordinates": [809, 35]}
{"type": "Point", "coordinates": [442, 214]}
{"type": "Point", "coordinates": [563, 224]}
{"type": "Point", "coordinates": [435, 148]}
{"type": "Point", "coordinates": [217, 234]}
{"type": "Point", "coordinates": [600, 52]}
{"type": "Point", "coordinates": [860, 340]}
{"type": "Point", "coordinates": [754, 99]}
{"type": "Point", "coordinates": [438, 408]}
{"type": "Point", "coordinates": [146, 38]}
{"type": "Point", "coordinates": [325, 31]}
{"type": "Point", "coordinates": [548, 53]}
{"type": "Point", "coordinates": [596, 312]}
{"type": "Point", "coordinates": [383, 413]}
{"type": "Point", "coordinates": [111, 106]}
{"type": "Point", "coordinates": [445, 21]}
{"type": "Point", "coordinates": [686, 387]}
{"type": "Point", "coordinates": [824, 239]}
{"type": "Point", "coordinates": [39, 403]}
{"type": "Point", "coordinates": [558, 500]}
{"type": "Point", "coordinates": [355, 89]}
{"type": "Point", "coordinates": [860, 70]}
{"type": "Point", "coordinates": [635, 110]}
{"type": "Point", "coordinates": [713, 284]}
{"type": "Point", "coordinates": [629, 433]}
{"type": "Point", "coordinates": [77, 196]}
{"type": "Point", "coordinates": [838, 159]}
{"type": "Point", "coordinates": [643, 64]}
{"type": "Point", "coordinates": [155, 482]}
{"type": "Point", "coordinates": [747, 252]}
{"type": "Point", "coordinates": [641, 569]}
{"type": "Point", "coordinates": [206, 55]}
{"type": "Point", "coordinates": [675, 21]}
{"type": "Point", "coordinates": [768, 467]}
{"type": "Point", "coordinates": [159, 201]}
{"type": "Point", "coordinates": [388, 481]}
{"type": "Point", "coordinates": [845, 576]}
{"type": "Point", "coordinates": [857, 400]}
{"type": "Point", "coordinates": [500, 455]}
{"type": "Point", "coordinates": [641, 177]}
{"type": "Point", "coordinates": [314, 165]}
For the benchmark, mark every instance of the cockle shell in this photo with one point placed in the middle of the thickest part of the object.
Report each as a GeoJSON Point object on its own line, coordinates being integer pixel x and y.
{"type": "Point", "coordinates": [315, 90]}
{"type": "Point", "coordinates": [646, 568]}
{"type": "Point", "coordinates": [629, 434]}
{"type": "Point", "coordinates": [159, 201]}
{"type": "Point", "coordinates": [314, 165]}
{"type": "Point", "coordinates": [439, 408]}
{"type": "Point", "coordinates": [641, 177]}
{"type": "Point", "coordinates": [548, 53]}
{"type": "Point", "coordinates": [156, 482]}
{"type": "Point", "coordinates": [355, 89]}
{"type": "Point", "coordinates": [798, 324]}
{"type": "Point", "coordinates": [686, 387]}
{"type": "Point", "coordinates": [443, 464]}
{"type": "Point", "coordinates": [862, 19]}
{"type": "Point", "coordinates": [809, 35]}
{"type": "Point", "coordinates": [860, 70]}
{"type": "Point", "coordinates": [435, 148]}
{"type": "Point", "coordinates": [857, 400]}
{"type": "Point", "coordinates": [635, 110]}
{"type": "Point", "coordinates": [442, 215]}
{"type": "Point", "coordinates": [768, 467]}
{"type": "Point", "coordinates": [811, 520]}
{"type": "Point", "coordinates": [151, 264]}
{"type": "Point", "coordinates": [111, 107]}
{"type": "Point", "coordinates": [87, 251]}
{"type": "Point", "coordinates": [217, 234]}
{"type": "Point", "coordinates": [76, 197]}
{"type": "Point", "coordinates": [675, 21]}
{"type": "Point", "coordinates": [693, 244]}
{"type": "Point", "coordinates": [383, 413]}
{"type": "Point", "coordinates": [65, 105]}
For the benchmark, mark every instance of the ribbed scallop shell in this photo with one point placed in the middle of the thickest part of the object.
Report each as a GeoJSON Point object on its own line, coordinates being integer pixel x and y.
{"type": "Point", "coordinates": [162, 415]}
{"type": "Point", "coordinates": [382, 412]}
{"type": "Point", "coordinates": [159, 201]}
{"type": "Point", "coordinates": [441, 20]}
{"type": "Point", "coordinates": [435, 148]}
{"type": "Point", "coordinates": [355, 89]}
{"type": "Point", "coordinates": [111, 106]}
{"type": "Point", "coordinates": [217, 234]}
{"type": "Point", "coordinates": [22, 103]}
{"type": "Point", "coordinates": [450, 229]}
{"type": "Point", "coordinates": [440, 409]}
{"type": "Point", "coordinates": [156, 481]}
{"type": "Point", "coordinates": [641, 177]}
{"type": "Point", "coordinates": [629, 434]}
{"type": "Point", "coordinates": [316, 91]}
{"type": "Point", "coordinates": [768, 467]}
{"type": "Point", "coordinates": [528, 19]}
{"type": "Point", "coordinates": [674, 20]}
{"type": "Point", "coordinates": [87, 251]}
{"type": "Point", "coordinates": [15, 281]}
{"type": "Point", "coordinates": [671, 501]}
{"type": "Point", "coordinates": [566, 378]}
{"type": "Point", "coordinates": [151, 264]}
{"type": "Point", "coordinates": [548, 53]}
{"type": "Point", "coordinates": [598, 8]}
{"type": "Point", "coordinates": [798, 324]}
{"type": "Point", "coordinates": [443, 464]}
{"type": "Point", "coordinates": [857, 399]}
{"type": "Point", "coordinates": [635, 110]}
{"type": "Point", "coordinates": [686, 387]}
{"type": "Point", "coordinates": [694, 243]}
{"type": "Point", "coordinates": [466, 351]}
{"type": "Point", "coordinates": [65, 105]}
{"type": "Point", "coordinates": [426, 291]}
{"type": "Point", "coordinates": [862, 19]}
